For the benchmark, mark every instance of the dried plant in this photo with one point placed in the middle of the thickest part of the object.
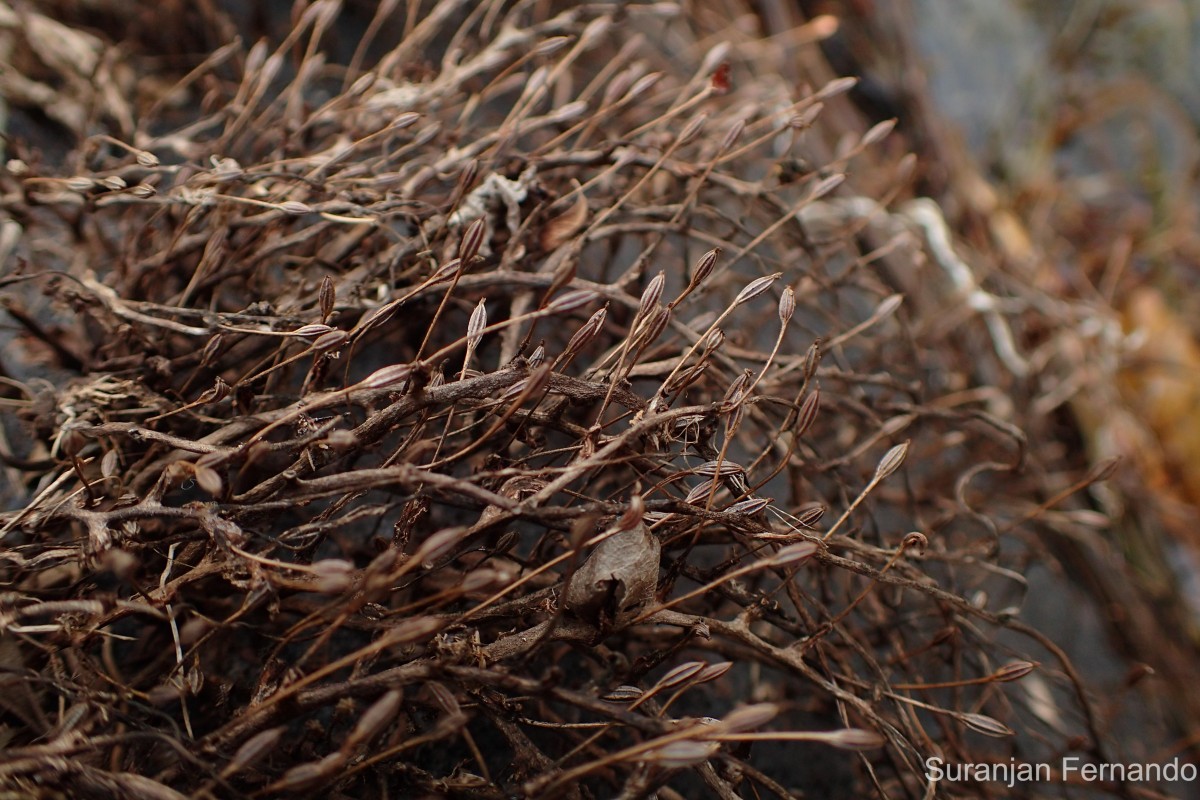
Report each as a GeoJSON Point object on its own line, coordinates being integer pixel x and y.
{"type": "Point", "coordinates": [365, 458]}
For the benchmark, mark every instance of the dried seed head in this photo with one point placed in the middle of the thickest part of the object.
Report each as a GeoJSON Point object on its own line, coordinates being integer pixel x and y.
{"type": "Point", "coordinates": [748, 718]}
{"type": "Point", "coordinates": [787, 305]}
{"type": "Point", "coordinates": [80, 184]}
{"type": "Point", "coordinates": [891, 461]}
{"type": "Point", "coordinates": [877, 132]}
{"type": "Point", "coordinates": [642, 85]}
{"type": "Point", "coordinates": [327, 296]}
{"type": "Point", "coordinates": [551, 45]}
{"type": "Point", "coordinates": [327, 342]}
{"type": "Point", "coordinates": [252, 750]}
{"type": "Point", "coordinates": [209, 352]}
{"type": "Point", "coordinates": [476, 325]}
{"type": "Point", "coordinates": [652, 293]}
{"type": "Point", "coordinates": [808, 412]}
{"type": "Point", "coordinates": [755, 288]}
{"type": "Point", "coordinates": [113, 182]}
{"type": "Point", "coordinates": [855, 739]}
{"type": "Point", "coordinates": [806, 117]}
{"type": "Point", "coordinates": [701, 491]}
{"type": "Point", "coordinates": [685, 753]}
{"type": "Point", "coordinates": [294, 207]}
{"type": "Point", "coordinates": [539, 353]}
{"type": "Point", "coordinates": [209, 480]}
{"type": "Point", "coordinates": [733, 134]}
{"type": "Point", "coordinates": [334, 575]}
{"type": "Point", "coordinates": [713, 671]}
{"type": "Point", "coordinates": [748, 507]}
{"type": "Point", "coordinates": [812, 359]}
{"type": "Point", "coordinates": [146, 158]}
{"type": "Point", "coordinates": [825, 186]}
{"type": "Point", "coordinates": [988, 726]}
{"type": "Point", "coordinates": [312, 331]}
{"type": "Point", "coordinates": [692, 130]}
{"type": "Point", "coordinates": [679, 674]}
{"type": "Point", "coordinates": [1013, 671]}
{"type": "Point", "coordinates": [704, 267]}
{"type": "Point", "coordinates": [472, 240]}
{"type": "Point", "coordinates": [792, 555]}
{"type": "Point", "coordinates": [807, 516]}
{"type": "Point", "coordinates": [586, 332]}
{"type": "Point", "coordinates": [835, 87]}
{"type": "Point", "coordinates": [623, 694]}
{"type": "Point", "coordinates": [719, 468]}
{"type": "Point", "coordinates": [381, 714]}
{"type": "Point", "coordinates": [569, 301]}
{"type": "Point", "coordinates": [387, 376]}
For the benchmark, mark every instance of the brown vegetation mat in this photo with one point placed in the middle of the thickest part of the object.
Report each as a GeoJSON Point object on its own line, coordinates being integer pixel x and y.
{"type": "Point", "coordinates": [499, 399]}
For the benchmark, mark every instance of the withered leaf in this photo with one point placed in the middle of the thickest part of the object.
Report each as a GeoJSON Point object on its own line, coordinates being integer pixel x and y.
{"type": "Point", "coordinates": [617, 579]}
